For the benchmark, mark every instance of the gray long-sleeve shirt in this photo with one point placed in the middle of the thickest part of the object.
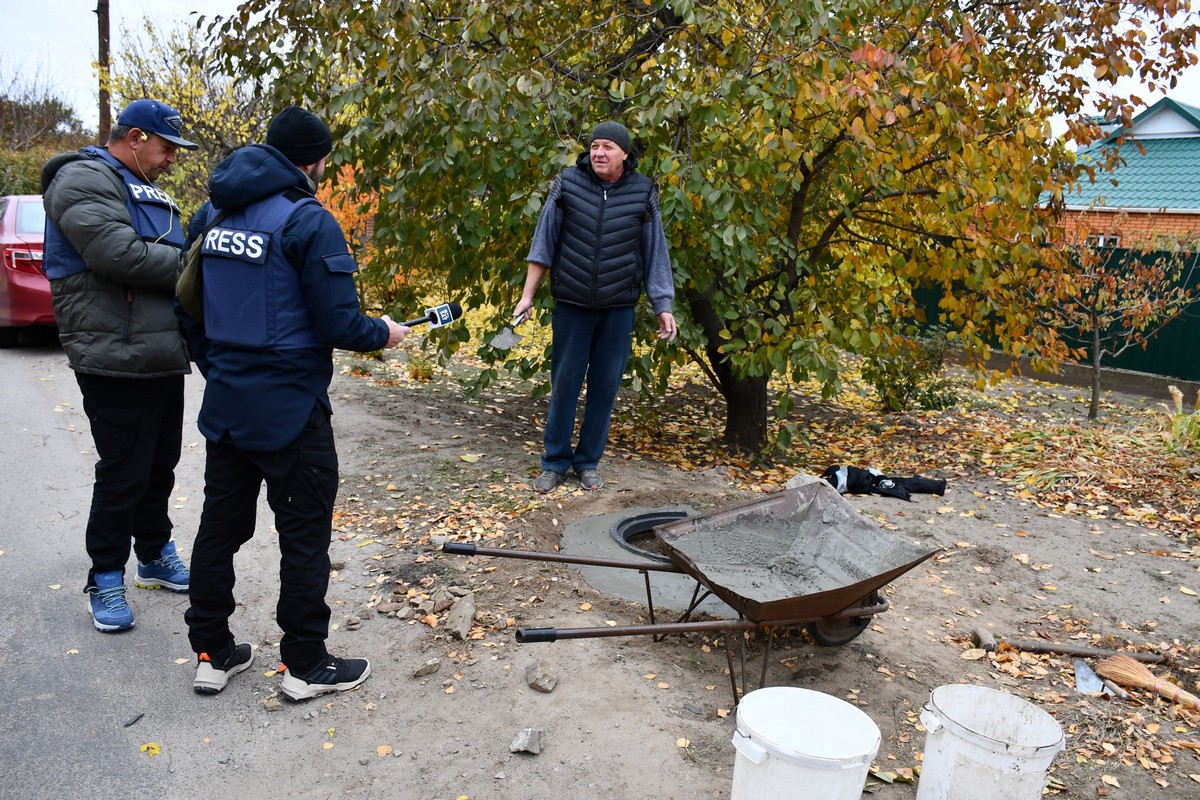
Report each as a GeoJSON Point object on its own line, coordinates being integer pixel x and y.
{"type": "Point", "coordinates": [658, 280]}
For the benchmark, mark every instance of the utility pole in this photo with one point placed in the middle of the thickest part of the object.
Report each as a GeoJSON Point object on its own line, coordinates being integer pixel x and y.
{"type": "Point", "coordinates": [105, 112]}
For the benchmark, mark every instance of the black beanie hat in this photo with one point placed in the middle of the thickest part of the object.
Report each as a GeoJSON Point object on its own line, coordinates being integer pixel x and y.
{"type": "Point", "coordinates": [615, 132]}
{"type": "Point", "coordinates": [300, 135]}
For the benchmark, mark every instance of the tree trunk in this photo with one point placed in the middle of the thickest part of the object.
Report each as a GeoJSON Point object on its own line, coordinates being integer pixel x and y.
{"type": "Point", "coordinates": [746, 415]}
{"type": "Point", "coordinates": [1094, 408]}
{"type": "Point", "coordinates": [745, 396]}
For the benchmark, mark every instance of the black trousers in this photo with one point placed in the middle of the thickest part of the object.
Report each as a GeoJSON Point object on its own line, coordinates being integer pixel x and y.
{"type": "Point", "coordinates": [137, 425]}
{"type": "Point", "coordinates": [301, 481]}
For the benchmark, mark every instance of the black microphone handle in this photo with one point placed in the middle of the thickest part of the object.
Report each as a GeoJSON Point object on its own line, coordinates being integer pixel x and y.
{"type": "Point", "coordinates": [427, 318]}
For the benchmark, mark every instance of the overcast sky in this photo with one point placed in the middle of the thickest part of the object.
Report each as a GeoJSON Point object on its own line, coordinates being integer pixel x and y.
{"type": "Point", "coordinates": [56, 40]}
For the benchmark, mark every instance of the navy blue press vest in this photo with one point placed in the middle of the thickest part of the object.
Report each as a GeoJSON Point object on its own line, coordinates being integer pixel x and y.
{"type": "Point", "coordinates": [252, 293]}
{"type": "Point", "coordinates": [155, 219]}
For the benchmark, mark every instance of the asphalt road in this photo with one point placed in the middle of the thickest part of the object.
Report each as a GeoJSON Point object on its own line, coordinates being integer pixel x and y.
{"type": "Point", "coordinates": [80, 706]}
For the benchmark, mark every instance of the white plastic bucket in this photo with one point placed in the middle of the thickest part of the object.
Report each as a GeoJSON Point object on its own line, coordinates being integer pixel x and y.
{"type": "Point", "coordinates": [801, 744]}
{"type": "Point", "coordinates": [981, 741]}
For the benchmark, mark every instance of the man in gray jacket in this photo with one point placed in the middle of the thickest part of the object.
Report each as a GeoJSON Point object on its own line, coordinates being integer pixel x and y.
{"type": "Point", "coordinates": [600, 237]}
{"type": "Point", "coordinates": [112, 251]}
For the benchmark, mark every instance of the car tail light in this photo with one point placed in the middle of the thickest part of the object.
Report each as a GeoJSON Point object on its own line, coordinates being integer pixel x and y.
{"type": "Point", "coordinates": [22, 258]}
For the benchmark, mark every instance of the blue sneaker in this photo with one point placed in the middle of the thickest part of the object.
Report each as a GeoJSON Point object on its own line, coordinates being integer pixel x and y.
{"type": "Point", "coordinates": [106, 602]}
{"type": "Point", "coordinates": [166, 572]}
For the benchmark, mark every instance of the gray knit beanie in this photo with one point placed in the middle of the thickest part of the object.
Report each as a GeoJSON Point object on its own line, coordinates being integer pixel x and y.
{"type": "Point", "coordinates": [615, 132]}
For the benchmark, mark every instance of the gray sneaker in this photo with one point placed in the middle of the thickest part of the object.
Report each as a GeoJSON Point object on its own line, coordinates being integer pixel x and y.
{"type": "Point", "coordinates": [591, 480]}
{"type": "Point", "coordinates": [547, 481]}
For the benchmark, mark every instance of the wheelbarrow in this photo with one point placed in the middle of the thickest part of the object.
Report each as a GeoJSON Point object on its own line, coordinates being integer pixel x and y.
{"type": "Point", "coordinates": [803, 557]}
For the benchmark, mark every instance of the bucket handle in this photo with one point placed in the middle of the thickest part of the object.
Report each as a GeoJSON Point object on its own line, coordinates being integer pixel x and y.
{"type": "Point", "coordinates": [931, 721]}
{"type": "Point", "coordinates": [752, 750]}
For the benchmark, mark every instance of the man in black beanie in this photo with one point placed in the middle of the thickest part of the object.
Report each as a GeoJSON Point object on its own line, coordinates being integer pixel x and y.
{"type": "Point", "coordinates": [300, 135]}
{"type": "Point", "coordinates": [279, 295]}
{"type": "Point", "coordinates": [600, 236]}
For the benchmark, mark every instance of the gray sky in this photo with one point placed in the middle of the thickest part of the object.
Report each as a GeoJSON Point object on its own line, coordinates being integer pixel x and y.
{"type": "Point", "coordinates": [57, 41]}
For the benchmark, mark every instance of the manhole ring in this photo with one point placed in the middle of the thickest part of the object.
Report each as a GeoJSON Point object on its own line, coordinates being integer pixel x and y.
{"type": "Point", "coordinates": [632, 531]}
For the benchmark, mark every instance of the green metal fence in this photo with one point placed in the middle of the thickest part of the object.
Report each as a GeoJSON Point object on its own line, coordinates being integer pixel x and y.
{"type": "Point", "coordinates": [1174, 352]}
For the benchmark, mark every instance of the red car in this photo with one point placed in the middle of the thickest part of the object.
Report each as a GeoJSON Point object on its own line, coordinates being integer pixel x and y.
{"type": "Point", "coordinates": [24, 290]}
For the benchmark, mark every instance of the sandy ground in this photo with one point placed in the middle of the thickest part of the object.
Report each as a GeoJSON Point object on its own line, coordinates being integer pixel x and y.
{"type": "Point", "coordinates": [637, 718]}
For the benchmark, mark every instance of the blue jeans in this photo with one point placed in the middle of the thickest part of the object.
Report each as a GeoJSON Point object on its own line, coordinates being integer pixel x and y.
{"type": "Point", "coordinates": [589, 344]}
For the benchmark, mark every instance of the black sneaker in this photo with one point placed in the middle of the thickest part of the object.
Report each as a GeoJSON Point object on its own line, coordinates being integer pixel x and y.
{"type": "Point", "coordinates": [331, 675]}
{"type": "Point", "coordinates": [215, 671]}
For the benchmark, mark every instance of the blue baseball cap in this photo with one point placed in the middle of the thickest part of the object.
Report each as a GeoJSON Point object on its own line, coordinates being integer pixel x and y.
{"type": "Point", "coordinates": [157, 118]}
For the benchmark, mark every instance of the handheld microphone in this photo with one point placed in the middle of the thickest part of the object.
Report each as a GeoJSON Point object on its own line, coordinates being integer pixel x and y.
{"type": "Point", "coordinates": [437, 316]}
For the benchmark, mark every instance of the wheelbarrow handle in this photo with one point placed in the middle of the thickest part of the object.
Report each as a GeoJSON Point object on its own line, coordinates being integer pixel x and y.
{"type": "Point", "coordinates": [525, 635]}
{"type": "Point", "coordinates": [466, 549]}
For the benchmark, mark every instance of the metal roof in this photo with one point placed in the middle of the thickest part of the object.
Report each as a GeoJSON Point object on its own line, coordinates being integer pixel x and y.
{"type": "Point", "coordinates": [1161, 170]}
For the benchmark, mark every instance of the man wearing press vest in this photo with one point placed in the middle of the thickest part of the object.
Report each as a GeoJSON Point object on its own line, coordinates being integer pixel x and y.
{"type": "Point", "coordinates": [112, 256]}
{"type": "Point", "coordinates": [278, 296]}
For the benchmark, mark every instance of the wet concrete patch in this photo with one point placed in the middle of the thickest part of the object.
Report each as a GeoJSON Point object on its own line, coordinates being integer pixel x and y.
{"type": "Point", "coordinates": [593, 536]}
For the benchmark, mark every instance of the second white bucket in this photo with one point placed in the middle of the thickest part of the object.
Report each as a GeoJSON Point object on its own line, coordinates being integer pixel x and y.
{"type": "Point", "coordinates": [978, 737]}
{"type": "Point", "coordinates": [797, 744]}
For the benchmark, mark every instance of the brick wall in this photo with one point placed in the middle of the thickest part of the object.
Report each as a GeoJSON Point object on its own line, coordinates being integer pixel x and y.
{"type": "Point", "coordinates": [1133, 230]}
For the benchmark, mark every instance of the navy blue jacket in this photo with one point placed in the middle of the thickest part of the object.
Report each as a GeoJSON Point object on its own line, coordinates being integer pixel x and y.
{"type": "Point", "coordinates": [261, 396]}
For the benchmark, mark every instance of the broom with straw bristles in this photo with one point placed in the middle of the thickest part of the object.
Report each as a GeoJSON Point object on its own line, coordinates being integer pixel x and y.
{"type": "Point", "coordinates": [1124, 670]}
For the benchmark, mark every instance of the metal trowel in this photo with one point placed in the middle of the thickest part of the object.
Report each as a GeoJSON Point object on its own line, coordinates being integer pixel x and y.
{"type": "Point", "coordinates": [506, 338]}
{"type": "Point", "coordinates": [1086, 680]}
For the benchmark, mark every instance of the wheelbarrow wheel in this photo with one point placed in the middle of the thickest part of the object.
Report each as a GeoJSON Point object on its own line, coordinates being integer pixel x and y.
{"type": "Point", "coordinates": [834, 632]}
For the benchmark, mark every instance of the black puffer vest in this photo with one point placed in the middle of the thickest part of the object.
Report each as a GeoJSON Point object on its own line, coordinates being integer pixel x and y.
{"type": "Point", "coordinates": [599, 258]}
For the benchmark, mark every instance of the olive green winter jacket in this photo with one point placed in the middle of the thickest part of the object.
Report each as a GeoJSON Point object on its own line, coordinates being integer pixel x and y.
{"type": "Point", "coordinates": [117, 317]}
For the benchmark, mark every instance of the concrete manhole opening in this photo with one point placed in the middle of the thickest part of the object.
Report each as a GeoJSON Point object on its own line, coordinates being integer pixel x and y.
{"type": "Point", "coordinates": [635, 533]}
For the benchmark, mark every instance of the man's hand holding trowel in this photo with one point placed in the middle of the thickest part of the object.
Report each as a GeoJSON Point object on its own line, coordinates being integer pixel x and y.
{"type": "Point", "coordinates": [507, 337]}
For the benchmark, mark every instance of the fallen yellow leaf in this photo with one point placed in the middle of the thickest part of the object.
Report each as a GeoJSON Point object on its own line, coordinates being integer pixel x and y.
{"type": "Point", "coordinates": [56, 586]}
{"type": "Point", "coordinates": [384, 750]}
{"type": "Point", "coordinates": [471, 458]}
{"type": "Point", "coordinates": [327, 746]}
{"type": "Point", "coordinates": [151, 748]}
{"type": "Point", "coordinates": [1110, 780]}
{"type": "Point", "coordinates": [974, 654]}
{"type": "Point", "coordinates": [682, 743]}
{"type": "Point", "coordinates": [1187, 591]}
{"type": "Point", "coordinates": [585, 607]}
